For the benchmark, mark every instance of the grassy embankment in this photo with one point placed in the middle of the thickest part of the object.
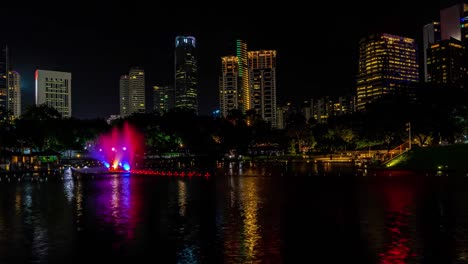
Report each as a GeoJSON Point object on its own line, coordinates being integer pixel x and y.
{"type": "Point", "coordinates": [451, 157]}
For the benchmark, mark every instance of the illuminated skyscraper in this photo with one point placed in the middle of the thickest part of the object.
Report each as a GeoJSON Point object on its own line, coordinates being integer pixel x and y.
{"type": "Point", "coordinates": [163, 99]}
{"type": "Point", "coordinates": [228, 85]}
{"type": "Point", "coordinates": [4, 69]}
{"type": "Point", "coordinates": [186, 74]}
{"type": "Point", "coordinates": [136, 91]}
{"type": "Point", "coordinates": [445, 63]}
{"type": "Point", "coordinates": [14, 94]}
{"type": "Point", "coordinates": [387, 65]}
{"type": "Point", "coordinates": [431, 34]}
{"type": "Point", "coordinates": [124, 96]}
{"type": "Point", "coordinates": [243, 83]}
{"type": "Point", "coordinates": [262, 75]}
{"type": "Point", "coordinates": [54, 89]}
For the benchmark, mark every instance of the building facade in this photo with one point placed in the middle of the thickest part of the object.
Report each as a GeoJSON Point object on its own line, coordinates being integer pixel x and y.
{"type": "Point", "coordinates": [446, 65]}
{"type": "Point", "coordinates": [451, 19]}
{"type": "Point", "coordinates": [4, 69]}
{"type": "Point", "coordinates": [431, 35]}
{"type": "Point", "coordinates": [53, 88]}
{"type": "Point", "coordinates": [243, 73]}
{"type": "Point", "coordinates": [136, 90]}
{"type": "Point", "coordinates": [186, 73]}
{"type": "Point", "coordinates": [262, 75]}
{"type": "Point", "coordinates": [387, 65]}
{"type": "Point", "coordinates": [14, 93]}
{"type": "Point", "coordinates": [163, 99]}
{"type": "Point", "coordinates": [228, 85]}
{"type": "Point", "coordinates": [124, 99]}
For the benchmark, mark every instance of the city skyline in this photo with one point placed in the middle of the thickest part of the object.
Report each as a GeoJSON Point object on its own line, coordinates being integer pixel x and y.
{"type": "Point", "coordinates": [93, 48]}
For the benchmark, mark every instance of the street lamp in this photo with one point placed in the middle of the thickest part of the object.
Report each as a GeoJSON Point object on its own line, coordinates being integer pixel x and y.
{"type": "Point", "coordinates": [408, 128]}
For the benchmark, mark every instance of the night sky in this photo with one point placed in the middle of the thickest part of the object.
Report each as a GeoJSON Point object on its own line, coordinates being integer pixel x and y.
{"type": "Point", "coordinates": [97, 43]}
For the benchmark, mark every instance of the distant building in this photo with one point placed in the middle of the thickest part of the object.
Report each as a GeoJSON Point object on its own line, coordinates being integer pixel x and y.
{"type": "Point", "coordinates": [451, 19]}
{"type": "Point", "coordinates": [124, 98]}
{"type": "Point", "coordinates": [387, 65]}
{"type": "Point", "coordinates": [132, 95]}
{"type": "Point", "coordinates": [431, 35]}
{"type": "Point", "coordinates": [4, 69]}
{"type": "Point", "coordinates": [54, 89]}
{"type": "Point", "coordinates": [262, 75]}
{"type": "Point", "coordinates": [281, 116]}
{"type": "Point", "coordinates": [446, 65]}
{"type": "Point", "coordinates": [321, 109]}
{"type": "Point", "coordinates": [112, 118]}
{"type": "Point", "coordinates": [163, 99]}
{"type": "Point", "coordinates": [343, 105]}
{"type": "Point", "coordinates": [228, 85]}
{"type": "Point", "coordinates": [14, 93]}
{"type": "Point", "coordinates": [248, 82]}
{"type": "Point", "coordinates": [186, 73]}
{"type": "Point", "coordinates": [136, 85]}
{"type": "Point", "coordinates": [306, 111]}
{"type": "Point", "coordinates": [243, 73]}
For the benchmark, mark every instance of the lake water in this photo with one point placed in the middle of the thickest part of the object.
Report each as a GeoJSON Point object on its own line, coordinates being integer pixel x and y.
{"type": "Point", "coordinates": [294, 213]}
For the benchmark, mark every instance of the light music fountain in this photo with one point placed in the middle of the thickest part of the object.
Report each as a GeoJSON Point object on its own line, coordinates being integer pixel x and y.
{"type": "Point", "coordinates": [120, 149]}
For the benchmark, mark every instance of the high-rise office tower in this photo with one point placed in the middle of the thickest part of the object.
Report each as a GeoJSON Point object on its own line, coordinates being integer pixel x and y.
{"type": "Point", "coordinates": [136, 90]}
{"type": "Point", "coordinates": [4, 69]}
{"type": "Point", "coordinates": [124, 99]}
{"type": "Point", "coordinates": [431, 34]}
{"type": "Point", "coordinates": [54, 89]}
{"type": "Point", "coordinates": [387, 65]}
{"type": "Point", "coordinates": [163, 99]}
{"type": "Point", "coordinates": [451, 21]}
{"type": "Point", "coordinates": [14, 93]}
{"type": "Point", "coordinates": [243, 83]}
{"type": "Point", "coordinates": [228, 85]}
{"type": "Point", "coordinates": [446, 63]}
{"type": "Point", "coordinates": [186, 73]}
{"type": "Point", "coordinates": [262, 75]}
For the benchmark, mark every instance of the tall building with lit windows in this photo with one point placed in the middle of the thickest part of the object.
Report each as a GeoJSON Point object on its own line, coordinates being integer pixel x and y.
{"type": "Point", "coordinates": [4, 69]}
{"type": "Point", "coordinates": [446, 65]}
{"type": "Point", "coordinates": [163, 98]}
{"type": "Point", "coordinates": [387, 65]}
{"type": "Point", "coordinates": [228, 85]}
{"type": "Point", "coordinates": [14, 93]}
{"type": "Point", "coordinates": [243, 83]}
{"type": "Point", "coordinates": [136, 90]}
{"type": "Point", "coordinates": [54, 89]}
{"type": "Point", "coordinates": [186, 73]}
{"type": "Point", "coordinates": [124, 99]}
{"type": "Point", "coordinates": [431, 35]}
{"type": "Point", "coordinates": [262, 75]}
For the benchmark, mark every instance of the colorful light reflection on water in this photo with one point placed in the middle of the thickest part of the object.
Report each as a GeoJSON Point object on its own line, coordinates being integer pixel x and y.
{"type": "Point", "coordinates": [118, 148]}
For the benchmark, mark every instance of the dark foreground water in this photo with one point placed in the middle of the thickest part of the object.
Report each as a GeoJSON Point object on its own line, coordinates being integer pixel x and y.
{"type": "Point", "coordinates": [261, 214]}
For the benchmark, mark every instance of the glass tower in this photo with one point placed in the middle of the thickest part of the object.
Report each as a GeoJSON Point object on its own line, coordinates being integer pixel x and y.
{"type": "Point", "coordinates": [186, 74]}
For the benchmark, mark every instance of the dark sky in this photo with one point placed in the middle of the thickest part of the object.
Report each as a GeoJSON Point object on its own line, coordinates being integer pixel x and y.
{"type": "Point", "coordinates": [317, 45]}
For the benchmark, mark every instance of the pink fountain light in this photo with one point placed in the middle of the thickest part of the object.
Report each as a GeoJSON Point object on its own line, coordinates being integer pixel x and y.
{"type": "Point", "coordinates": [118, 148]}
